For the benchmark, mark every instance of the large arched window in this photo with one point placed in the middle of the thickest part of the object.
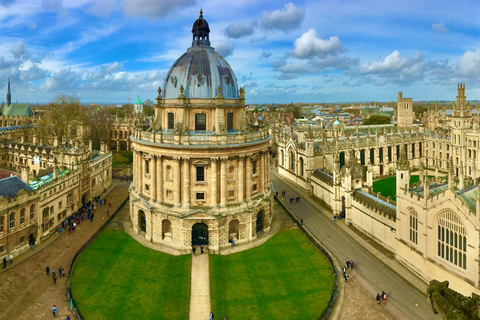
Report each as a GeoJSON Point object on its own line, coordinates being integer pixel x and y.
{"type": "Point", "coordinates": [292, 161]}
{"type": "Point", "coordinates": [452, 239]}
{"type": "Point", "coordinates": [301, 167]}
{"type": "Point", "coordinates": [413, 226]}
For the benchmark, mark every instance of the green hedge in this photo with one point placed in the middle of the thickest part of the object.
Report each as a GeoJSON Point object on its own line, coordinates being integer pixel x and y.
{"type": "Point", "coordinates": [452, 304]}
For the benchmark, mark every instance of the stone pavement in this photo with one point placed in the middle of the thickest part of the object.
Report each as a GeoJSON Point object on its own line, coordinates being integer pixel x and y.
{"type": "Point", "coordinates": [25, 290]}
{"type": "Point", "coordinates": [374, 268]}
{"type": "Point", "coordinates": [200, 287]}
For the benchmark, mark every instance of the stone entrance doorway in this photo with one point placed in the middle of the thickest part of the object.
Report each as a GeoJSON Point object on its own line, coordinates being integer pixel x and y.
{"type": "Point", "coordinates": [142, 221]}
{"type": "Point", "coordinates": [260, 221]}
{"type": "Point", "coordinates": [84, 198]}
{"type": "Point", "coordinates": [199, 234]}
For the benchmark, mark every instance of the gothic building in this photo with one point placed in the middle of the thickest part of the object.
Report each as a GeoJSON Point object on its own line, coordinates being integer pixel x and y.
{"type": "Point", "coordinates": [432, 226]}
{"type": "Point", "coordinates": [201, 175]}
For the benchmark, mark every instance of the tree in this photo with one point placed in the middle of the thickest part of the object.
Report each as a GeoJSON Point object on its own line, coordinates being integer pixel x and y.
{"type": "Point", "coordinates": [64, 116]}
{"type": "Point", "coordinates": [376, 119]}
{"type": "Point", "coordinates": [296, 112]}
{"type": "Point", "coordinates": [99, 123]}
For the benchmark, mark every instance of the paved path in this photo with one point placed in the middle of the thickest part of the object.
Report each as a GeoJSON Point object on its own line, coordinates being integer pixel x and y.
{"type": "Point", "coordinates": [373, 269]}
{"type": "Point", "coordinates": [26, 292]}
{"type": "Point", "coordinates": [200, 287]}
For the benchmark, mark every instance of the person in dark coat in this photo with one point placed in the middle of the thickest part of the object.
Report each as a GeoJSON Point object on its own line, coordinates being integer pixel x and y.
{"type": "Point", "coordinates": [4, 262]}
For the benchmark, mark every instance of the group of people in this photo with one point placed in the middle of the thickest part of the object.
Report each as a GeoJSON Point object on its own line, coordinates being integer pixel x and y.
{"type": "Point", "coordinates": [383, 297]}
{"type": "Point", "coordinates": [348, 264]}
{"type": "Point", "coordinates": [202, 249]}
{"type": "Point", "coordinates": [61, 273]}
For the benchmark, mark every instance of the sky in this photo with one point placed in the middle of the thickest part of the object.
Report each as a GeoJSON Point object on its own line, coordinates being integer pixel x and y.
{"type": "Point", "coordinates": [106, 51]}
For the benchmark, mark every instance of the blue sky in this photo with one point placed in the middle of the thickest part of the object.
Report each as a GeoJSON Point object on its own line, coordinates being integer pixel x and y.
{"type": "Point", "coordinates": [301, 51]}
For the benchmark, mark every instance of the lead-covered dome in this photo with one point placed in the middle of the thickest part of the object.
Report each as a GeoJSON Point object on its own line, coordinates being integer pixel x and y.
{"type": "Point", "coordinates": [201, 70]}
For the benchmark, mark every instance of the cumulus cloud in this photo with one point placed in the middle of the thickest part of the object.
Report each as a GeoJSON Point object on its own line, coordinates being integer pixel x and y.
{"type": "Point", "coordinates": [392, 63]}
{"type": "Point", "coordinates": [469, 64]}
{"type": "Point", "coordinates": [289, 18]}
{"type": "Point", "coordinates": [154, 9]}
{"type": "Point", "coordinates": [440, 27]}
{"type": "Point", "coordinates": [18, 49]}
{"type": "Point", "coordinates": [240, 29]}
{"type": "Point", "coordinates": [225, 48]}
{"type": "Point", "coordinates": [309, 44]}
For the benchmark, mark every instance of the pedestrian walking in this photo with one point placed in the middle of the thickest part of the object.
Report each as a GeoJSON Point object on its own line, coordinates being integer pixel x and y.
{"type": "Point", "coordinates": [344, 270]}
{"type": "Point", "coordinates": [211, 315]}
{"type": "Point", "coordinates": [54, 280]}
{"type": "Point", "coordinates": [11, 259]}
{"type": "Point", "coordinates": [201, 249]}
{"type": "Point", "coordinates": [109, 204]}
{"type": "Point", "coordinates": [231, 242]}
{"type": "Point", "coordinates": [346, 278]}
{"type": "Point", "coordinates": [70, 230]}
{"type": "Point", "coordinates": [54, 309]}
{"type": "Point", "coordinates": [4, 262]}
{"type": "Point", "coordinates": [47, 269]}
{"type": "Point", "coordinates": [301, 221]}
{"type": "Point", "coordinates": [351, 264]}
{"type": "Point", "coordinates": [53, 273]}
{"type": "Point", "coordinates": [348, 263]}
{"type": "Point", "coordinates": [193, 250]}
{"type": "Point", "coordinates": [108, 213]}
{"type": "Point", "coordinates": [67, 318]}
{"type": "Point", "coordinates": [100, 202]}
{"type": "Point", "coordinates": [378, 298]}
{"type": "Point", "coordinates": [105, 200]}
{"type": "Point", "coordinates": [384, 297]}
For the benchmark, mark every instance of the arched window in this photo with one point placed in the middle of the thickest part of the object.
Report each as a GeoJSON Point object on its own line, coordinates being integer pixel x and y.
{"type": "Point", "coordinates": [171, 120]}
{"type": "Point", "coordinates": [32, 212]}
{"type": "Point", "coordinates": [282, 158]}
{"type": "Point", "coordinates": [11, 220]}
{"type": "Point", "coordinates": [413, 226]}
{"type": "Point", "coordinates": [22, 216]}
{"type": "Point", "coordinates": [452, 239]}
{"type": "Point", "coordinates": [233, 230]}
{"type": "Point", "coordinates": [301, 167]}
{"type": "Point", "coordinates": [292, 161]}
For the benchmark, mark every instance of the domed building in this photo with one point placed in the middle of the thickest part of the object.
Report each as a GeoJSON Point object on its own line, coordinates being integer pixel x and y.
{"type": "Point", "coordinates": [201, 175]}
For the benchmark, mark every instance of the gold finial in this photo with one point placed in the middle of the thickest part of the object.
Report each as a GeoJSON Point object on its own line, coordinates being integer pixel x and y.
{"type": "Point", "coordinates": [201, 12]}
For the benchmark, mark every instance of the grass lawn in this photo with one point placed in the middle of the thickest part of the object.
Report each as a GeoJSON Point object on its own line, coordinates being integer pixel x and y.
{"type": "Point", "coordinates": [118, 278]}
{"type": "Point", "coordinates": [285, 278]}
{"type": "Point", "coordinates": [387, 187]}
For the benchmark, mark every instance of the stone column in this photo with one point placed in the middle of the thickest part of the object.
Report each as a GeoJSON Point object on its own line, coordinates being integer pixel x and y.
{"type": "Point", "coordinates": [160, 179]}
{"type": "Point", "coordinates": [141, 169]}
{"type": "Point", "coordinates": [241, 178]}
{"type": "Point", "coordinates": [214, 182]}
{"type": "Point", "coordinates": [186, 182]}
{"type": "Point", "coordinates": [248, 177]}
{"type": "Point", "coordinates": [153, 178]}
{"type": "Point", "coordinates": [261, 187]}
{"type": "Point", "coordinates": [177, 177]}
{"type": "Point", "coordinates": [223, 181]}
{"type": "Point", "coordinates": [267, 170]}
{"type": "Point", "coordinates": [135, 170]}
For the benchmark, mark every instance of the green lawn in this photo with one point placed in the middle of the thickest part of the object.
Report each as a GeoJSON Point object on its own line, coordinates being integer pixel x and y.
{"type": "Point", "coordinates": [118, 278]}
{"type": "Point", "coordinates": [285, 278]}
{"type": "Point", "coordinates": [387, 187]}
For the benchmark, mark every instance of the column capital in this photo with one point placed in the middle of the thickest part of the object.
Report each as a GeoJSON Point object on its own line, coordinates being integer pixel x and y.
{"type": "Point", "coordinates": [186, 159]}
{"type": "Point", "coordinates": [214, 158]}
{"type": "Point", "coordinates": [223, 159]}
{"type": "Point", "coordinates": [176, 158]}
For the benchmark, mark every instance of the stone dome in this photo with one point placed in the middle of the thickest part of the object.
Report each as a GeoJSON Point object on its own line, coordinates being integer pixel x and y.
{"type": "Point", "coordinates": [201, 70]}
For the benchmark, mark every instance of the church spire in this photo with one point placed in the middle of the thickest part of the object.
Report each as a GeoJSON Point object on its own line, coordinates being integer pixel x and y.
{"type": "Point", "coordinates": [9, 95]}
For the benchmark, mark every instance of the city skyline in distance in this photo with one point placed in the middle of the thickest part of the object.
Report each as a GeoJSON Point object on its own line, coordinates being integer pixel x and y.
{"type": "Point", "coordinates": [302, 51]}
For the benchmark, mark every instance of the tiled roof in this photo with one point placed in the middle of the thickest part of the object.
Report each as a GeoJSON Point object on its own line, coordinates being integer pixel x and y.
{"type": "Point", "coordinates": [11, 186]}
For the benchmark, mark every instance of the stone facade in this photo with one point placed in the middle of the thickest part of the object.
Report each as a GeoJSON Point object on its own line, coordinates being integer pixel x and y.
{"type": "Point", "coordinates": [201, 175]}
{"type": "Point", "coordinates": [432, 227]}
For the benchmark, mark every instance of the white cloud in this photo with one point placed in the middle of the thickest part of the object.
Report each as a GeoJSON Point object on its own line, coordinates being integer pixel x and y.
{"type": "Point", "coordinates": [290, 17]}
{"type": "Point", "coordinates": [309, 44]}
{"type": "Point", "coordinates": [469, 64]}
{"type": "Point", "coordinates": [154, 9]}
{"type": "Point", "coordinates": [440, 27]}
{"type": "Point", "coordinates": [224, 48]}
{"type": "Point", "coordinates": [391, 63]}
{"type": "Point", "coordinates": [240, 29]}
{"type": "Point", "coordinates": [18, 49]}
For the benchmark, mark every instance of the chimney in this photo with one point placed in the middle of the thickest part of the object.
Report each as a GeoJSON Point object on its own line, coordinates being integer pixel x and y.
{"type": "Point", "coordinates": [24, 173]}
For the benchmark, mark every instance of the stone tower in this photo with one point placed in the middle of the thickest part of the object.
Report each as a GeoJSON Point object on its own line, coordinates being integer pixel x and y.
{"type": "Point", "coordinates": [404, 112]}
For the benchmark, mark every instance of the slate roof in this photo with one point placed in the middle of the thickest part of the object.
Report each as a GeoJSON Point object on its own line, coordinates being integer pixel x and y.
{"type": "Point", "coordinates": [11, 186]}
{"type": "Point", "coordinates": [372, 201]}
{"type": "Point", "coordinates": [323, 176]}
